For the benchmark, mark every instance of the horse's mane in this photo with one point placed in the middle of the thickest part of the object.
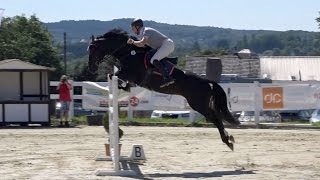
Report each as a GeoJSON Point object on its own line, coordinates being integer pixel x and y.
{"type": "Point", "coordinates": [114, 32]}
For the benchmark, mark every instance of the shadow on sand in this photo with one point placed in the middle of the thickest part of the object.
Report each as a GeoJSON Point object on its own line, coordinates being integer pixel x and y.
{"type": "Point", "coordinates": [135, 167]}
{"type": "Point", "coordinates": [199, 174]}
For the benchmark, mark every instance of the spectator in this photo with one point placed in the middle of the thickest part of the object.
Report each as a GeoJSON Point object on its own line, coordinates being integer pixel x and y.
{"type": "Point", "coordinates": [64, 88]}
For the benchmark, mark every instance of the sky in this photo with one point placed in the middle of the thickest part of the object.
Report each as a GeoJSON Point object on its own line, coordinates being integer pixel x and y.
{"type": "Point", "coordinates": [280, 15]}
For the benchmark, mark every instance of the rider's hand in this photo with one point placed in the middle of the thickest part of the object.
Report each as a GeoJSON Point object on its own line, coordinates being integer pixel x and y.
{"type": "Point", "coordinates": [130, 41]}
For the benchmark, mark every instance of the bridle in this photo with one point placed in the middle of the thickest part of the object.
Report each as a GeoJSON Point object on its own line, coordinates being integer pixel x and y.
{"type": "Point", "coordinates": [107, 57]}
{"type": "Point", "coordinates": [112, 57]}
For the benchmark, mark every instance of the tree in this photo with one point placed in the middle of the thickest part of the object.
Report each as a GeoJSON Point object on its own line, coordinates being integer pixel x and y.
{"type": "Point", "coordinates": [82, 73]}
{"type": "Point", "coordinates": [223, 44]}
{"type": "Point", "coordinates": [28, 40]}
{"type": "Point", "coordinates": [196, 46]}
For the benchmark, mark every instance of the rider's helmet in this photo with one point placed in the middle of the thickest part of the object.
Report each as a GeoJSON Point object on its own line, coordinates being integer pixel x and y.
{"type": "Point", "coordinates": [137, 22]}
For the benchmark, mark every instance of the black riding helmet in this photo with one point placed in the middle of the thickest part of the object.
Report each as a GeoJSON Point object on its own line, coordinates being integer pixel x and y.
{"type": "Point", "coordinates": [137, 22]}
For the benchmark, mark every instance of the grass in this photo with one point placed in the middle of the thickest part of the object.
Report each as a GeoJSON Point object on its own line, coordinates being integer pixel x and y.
{"type": "Point", "coordinates": [317, 124]}
{"type": "Point", "coordinates": [162, 122]}
{"type": "Point", "coordinates": [296, 122]}
{"type": "Point", "coordinates": [157, 120]}
{"type": "Point", "coordinates": [82, 120]}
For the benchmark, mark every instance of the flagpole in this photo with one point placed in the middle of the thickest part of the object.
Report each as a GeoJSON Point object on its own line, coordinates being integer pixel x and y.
{"type": "Point", "coordinates": [1, 14]}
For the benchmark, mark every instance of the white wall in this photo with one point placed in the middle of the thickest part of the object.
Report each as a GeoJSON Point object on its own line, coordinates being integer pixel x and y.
{"type": "Point", "coordinates": [282, 67]}
{"type": "Point", "coordinates": [16, 113]}
{"type": "Point", "coordinates": [31, 83]}
{"type": "Point", "coordinates": [39, 112]}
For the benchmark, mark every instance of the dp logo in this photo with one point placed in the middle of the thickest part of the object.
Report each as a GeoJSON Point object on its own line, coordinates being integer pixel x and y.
{"type": "Point", "coordinates": [272, 97]}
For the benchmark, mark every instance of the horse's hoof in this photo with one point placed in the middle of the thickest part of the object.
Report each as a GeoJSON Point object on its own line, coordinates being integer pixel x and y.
{"type": "Point", "coordinates": [231, 139]}
{"type": "Point", "coordinates": [230, 145]}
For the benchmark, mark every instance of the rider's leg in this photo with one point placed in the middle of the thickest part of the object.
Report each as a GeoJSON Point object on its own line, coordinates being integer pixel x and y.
{"type": "Point", "coordinates": [166, 48]}
{"type": "Point", "coordinates": [164, 51]}
{"type": "Point", "coordinates": [164, 71]}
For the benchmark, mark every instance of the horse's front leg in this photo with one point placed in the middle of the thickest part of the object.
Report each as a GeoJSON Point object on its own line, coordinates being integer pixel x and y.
{"type": "Point", "coordinates": [122, 82]}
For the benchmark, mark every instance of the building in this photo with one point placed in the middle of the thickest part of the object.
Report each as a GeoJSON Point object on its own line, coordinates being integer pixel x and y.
{"type": "Point", "coordinates": [281, 68]}
{"type": "Point", "coordinates": [24, 96]}
{"type": "Point", "coordinates": [298, 68]}
{"type": "Point", "coordinates": [213, 67]}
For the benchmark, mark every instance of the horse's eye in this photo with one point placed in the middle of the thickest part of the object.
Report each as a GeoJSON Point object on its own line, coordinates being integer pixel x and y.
{"type": "Point", "coordinates": [91, 47]}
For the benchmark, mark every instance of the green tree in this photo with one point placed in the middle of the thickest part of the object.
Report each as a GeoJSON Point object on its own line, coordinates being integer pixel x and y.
{"type": "Point", "coordinates": [82, 73]}
{"type": "Point", "coordinates": [223, 44]}
{"type": "Point", "coordinates": [196, 46]}
{"type": "Point", "coordinates": [28, 40]}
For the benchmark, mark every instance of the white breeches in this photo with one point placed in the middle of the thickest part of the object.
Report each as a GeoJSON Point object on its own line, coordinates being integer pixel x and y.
{"type": "Point", "coordinates": [166, 48]}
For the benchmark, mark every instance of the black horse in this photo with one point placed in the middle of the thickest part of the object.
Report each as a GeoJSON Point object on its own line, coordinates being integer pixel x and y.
{"type": "Point", "coordinates": [206, 97]}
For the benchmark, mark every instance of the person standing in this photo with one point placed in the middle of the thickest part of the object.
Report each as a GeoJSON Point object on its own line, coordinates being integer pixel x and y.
{"type": "Point", "coordinates": [64, 88]}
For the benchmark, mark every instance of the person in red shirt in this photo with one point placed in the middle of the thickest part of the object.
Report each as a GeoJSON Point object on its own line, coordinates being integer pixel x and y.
{"type": "Point", "coordinates": [64, 88]}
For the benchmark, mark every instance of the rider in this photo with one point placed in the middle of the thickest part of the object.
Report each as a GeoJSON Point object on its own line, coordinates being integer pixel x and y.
{"type": "Point", "coordinates": [156, 40]}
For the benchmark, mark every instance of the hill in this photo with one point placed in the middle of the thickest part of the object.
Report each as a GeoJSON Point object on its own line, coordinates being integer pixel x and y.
{"type": "Point", "coordinates": [193, 38]}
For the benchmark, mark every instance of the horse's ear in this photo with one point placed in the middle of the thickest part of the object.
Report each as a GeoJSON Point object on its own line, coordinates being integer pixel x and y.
{"type": "Point", "coordinates": [92, 38]}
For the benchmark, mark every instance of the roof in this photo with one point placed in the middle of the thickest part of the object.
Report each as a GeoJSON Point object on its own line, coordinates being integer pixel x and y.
{"type": "Point", "coordinates": [17, 64]}
{"type": "Point", "coordinates": [245, 51]}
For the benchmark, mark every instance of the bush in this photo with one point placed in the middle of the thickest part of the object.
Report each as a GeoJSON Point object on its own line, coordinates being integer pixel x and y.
{"type": "Point", "coordinates": [105, 123]}
{"type": "Point", "coordinates": [81, 120]}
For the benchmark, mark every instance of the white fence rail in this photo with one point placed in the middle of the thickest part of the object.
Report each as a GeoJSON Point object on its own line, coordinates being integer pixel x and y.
{"type": "Point", "coordinates": [241, 97]}
{"type": "Point", "coordinates": [276, 96]}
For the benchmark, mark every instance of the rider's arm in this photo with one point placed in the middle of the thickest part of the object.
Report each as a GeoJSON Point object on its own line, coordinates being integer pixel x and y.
{"type": "Point", "coordinates": [141, 43]}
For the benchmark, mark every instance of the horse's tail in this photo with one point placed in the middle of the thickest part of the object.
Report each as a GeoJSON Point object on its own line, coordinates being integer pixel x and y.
{"type": "Point", "coordinates": [220, 103]}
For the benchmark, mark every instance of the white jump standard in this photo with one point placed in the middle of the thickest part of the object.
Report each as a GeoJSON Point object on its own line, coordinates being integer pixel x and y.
{"type": "Point", "coordinates": [137, 151]}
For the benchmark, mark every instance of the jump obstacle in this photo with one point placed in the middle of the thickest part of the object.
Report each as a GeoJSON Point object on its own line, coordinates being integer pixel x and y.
{"type": "Point", "coordinates": [137, 150]}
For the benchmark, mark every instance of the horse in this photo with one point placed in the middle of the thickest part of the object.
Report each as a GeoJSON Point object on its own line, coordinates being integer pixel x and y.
{"type": "Point", "coordinates": [204, 96]}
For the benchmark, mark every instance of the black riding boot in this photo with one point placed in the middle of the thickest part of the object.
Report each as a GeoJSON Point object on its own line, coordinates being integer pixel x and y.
{"type": "Point", "coordinates": [165, 73]}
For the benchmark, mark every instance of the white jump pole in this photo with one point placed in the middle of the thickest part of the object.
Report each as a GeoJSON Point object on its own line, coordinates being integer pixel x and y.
{"type": "Point", "coordinates": [71, 106]}
{"type": "Point", "coordinates": [114, 133]}
{"type": "Point", "coordinates": [256, 102]}
{"type": "Point", "coordinates": [114, 123]}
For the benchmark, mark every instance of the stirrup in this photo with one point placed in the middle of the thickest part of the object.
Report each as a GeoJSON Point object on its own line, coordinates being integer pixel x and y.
{"type": "Point", "coordinates": [165, 84]}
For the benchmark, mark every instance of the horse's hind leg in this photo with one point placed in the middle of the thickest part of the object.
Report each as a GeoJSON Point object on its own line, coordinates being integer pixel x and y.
{"type": "Point", "coordinates": [205, 104]}
{"type": "Point", "coordinates": [218, 110]}
{"type": "Point", "coordinates": [216, 116]}
{"type": "Point", "coordinates": [222, 104]}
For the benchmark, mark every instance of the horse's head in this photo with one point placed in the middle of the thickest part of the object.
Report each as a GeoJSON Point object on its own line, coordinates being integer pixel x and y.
{"type": "Point", "coordinates": [111, 45]}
